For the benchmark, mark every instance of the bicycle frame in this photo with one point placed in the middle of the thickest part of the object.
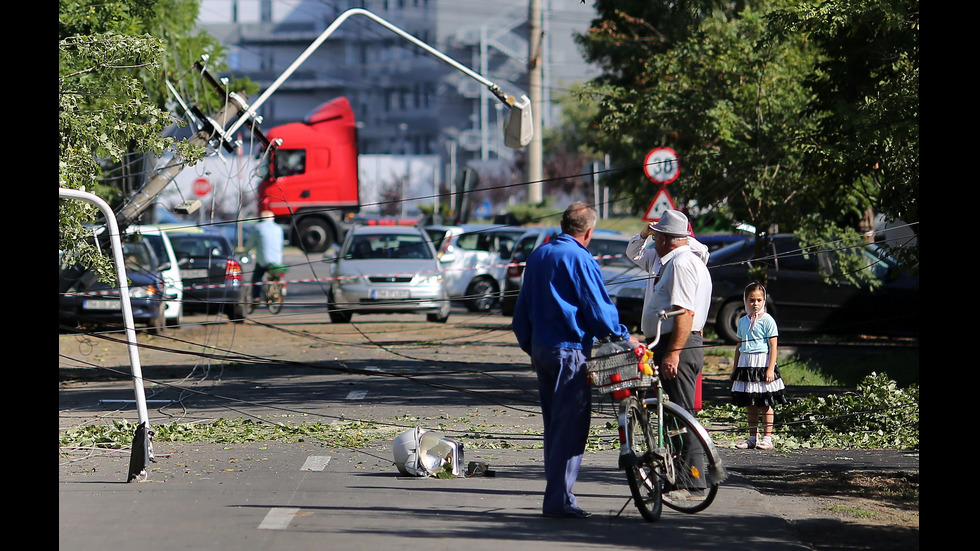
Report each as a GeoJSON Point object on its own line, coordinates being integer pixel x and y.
{"type": "Point", "coordinates": [625, 445]}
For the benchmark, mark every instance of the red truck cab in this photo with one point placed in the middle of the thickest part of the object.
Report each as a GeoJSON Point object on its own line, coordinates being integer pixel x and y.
{"type": "Point", "coordinates": [310, 176]}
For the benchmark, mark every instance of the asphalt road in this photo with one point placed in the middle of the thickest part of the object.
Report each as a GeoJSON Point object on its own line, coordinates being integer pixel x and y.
{"type": "Point", "coordinates": [399, 372]}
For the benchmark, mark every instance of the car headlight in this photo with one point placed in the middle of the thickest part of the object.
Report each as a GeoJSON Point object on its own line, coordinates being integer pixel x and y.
{"type": "Point", "coordinates": [147, 291]}
{"type": "Point", "coordinates": [351, 280]}
{"type": "Point", "coordinates": [429, 279]}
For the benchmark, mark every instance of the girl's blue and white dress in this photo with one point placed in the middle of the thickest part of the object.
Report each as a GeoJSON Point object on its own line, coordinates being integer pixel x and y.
{"type": "Point", "coordinates": [749, 386]}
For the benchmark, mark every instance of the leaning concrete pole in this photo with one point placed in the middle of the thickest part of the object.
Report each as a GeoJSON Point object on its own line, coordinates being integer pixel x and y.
{"type": "Point", "coordinates": [149, 192]}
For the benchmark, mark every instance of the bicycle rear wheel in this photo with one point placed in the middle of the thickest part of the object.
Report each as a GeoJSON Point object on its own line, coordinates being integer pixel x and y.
{"type": "Point", "coordinates": [640, 465]}
{"type": "Point", "coordinates": [275, 297]}
{"type": "Point", "coordinates": [697, 468]}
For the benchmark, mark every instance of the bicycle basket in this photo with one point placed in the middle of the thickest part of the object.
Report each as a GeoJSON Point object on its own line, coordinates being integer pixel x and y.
{"type": "Point", "coordinates": [277, 270]}
{"type": "Point", "coordinates": [603, 370]}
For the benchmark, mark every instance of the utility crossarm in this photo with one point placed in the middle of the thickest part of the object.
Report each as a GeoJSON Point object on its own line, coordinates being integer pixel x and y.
{"type": "Point", "coordinates": [149, 191]}
{"type": "Point", "coordinates": [208, 129]}
{"type": "Point", "coordinates": [517, 129]}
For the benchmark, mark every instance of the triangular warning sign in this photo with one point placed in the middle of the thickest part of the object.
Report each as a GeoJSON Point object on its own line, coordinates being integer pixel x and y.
{"type": "Point", "coordinates": [661, 203]}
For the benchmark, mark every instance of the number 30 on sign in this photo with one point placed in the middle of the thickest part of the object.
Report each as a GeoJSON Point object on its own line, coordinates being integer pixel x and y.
{"type": "Point", "coordinates": [661, 165]}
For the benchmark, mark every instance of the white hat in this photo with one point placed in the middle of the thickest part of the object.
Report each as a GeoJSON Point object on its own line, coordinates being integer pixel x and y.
{"type": "Point", "coordinates": [672, 222]}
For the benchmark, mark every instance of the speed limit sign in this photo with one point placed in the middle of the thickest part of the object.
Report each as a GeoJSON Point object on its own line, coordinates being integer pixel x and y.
{"type": "Point", "coordinates": [661, 165]}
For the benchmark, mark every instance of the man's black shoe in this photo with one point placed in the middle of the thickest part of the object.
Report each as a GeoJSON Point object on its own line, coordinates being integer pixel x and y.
{"type": "Point", "coordinates": [571, 513]}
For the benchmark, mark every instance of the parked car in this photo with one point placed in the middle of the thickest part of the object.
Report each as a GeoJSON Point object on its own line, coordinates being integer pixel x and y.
{"type": "Point", "coordinates": [531, 239]}
{"type": "Point", "coordinates": [83, 300]}
{"type": "Point", "coordinates": [627, 285]}
{"type": "Point", "coordinates": [476, 270]}
{"type": "Point", "coordinates": [387, 269]}
{"type": "Point", "coordinates": [211, 273]}
{"type": "Point", "coordinates": [801, 300]}
{"type": "Point", "coordinates": [715, 241]}
{"type": "Point", "coordinates": [608, 247]}
{"type": "Point", "coordinates": [441, 236]}
{"type": "Point", "coordinates": [173, 289]}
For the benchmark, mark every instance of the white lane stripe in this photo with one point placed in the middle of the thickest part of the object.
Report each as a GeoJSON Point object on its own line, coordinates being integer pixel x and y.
{"type": "Point", "coordinates": [357, 395]}
{"type": "Point", "coordinates": [278, 518]}
{"type": "Point", "coordinates": [315, 463]}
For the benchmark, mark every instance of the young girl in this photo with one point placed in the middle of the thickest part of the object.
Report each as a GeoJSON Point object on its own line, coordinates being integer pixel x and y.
{"type": "Point", "coordinates": [756, 383]}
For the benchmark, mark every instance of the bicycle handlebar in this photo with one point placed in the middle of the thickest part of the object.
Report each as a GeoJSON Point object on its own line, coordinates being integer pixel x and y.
{"type": "Point", "coordinates": [661, 316]}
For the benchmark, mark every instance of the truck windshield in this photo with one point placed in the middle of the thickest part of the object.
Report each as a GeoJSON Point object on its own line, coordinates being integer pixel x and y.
{"type": "Point", "coordinates": [290, 162]}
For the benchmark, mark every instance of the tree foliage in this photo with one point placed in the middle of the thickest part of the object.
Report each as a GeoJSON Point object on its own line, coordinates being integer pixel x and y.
{"type": "Point", "coordinates": [114, 58]}
{"type": "Point", "coordinates": [868, 86]}
{"type": "Point", "coordinates": [782, 114]}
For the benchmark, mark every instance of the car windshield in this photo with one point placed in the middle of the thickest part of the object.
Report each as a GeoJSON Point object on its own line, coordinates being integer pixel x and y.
{"type": "Point", "coordinates": [388, 246]}
{"type": "Point", "coordinates": [138, 256]}
{"type": "Point", "coordinates": [156, 242]}
{"type": "Point", "coordinates": [196, 246]}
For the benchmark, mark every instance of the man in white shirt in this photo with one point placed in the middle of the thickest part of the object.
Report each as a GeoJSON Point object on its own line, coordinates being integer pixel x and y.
{"type": "Point", "coordinates": [679, 280]}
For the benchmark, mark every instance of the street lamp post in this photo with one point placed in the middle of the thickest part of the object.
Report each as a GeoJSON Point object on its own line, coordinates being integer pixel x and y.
{"type": "Point", "coordinates": [518, 129]}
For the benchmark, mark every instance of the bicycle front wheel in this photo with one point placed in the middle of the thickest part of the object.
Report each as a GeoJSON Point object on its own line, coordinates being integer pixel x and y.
{"type": "Point", "coordinates": [640, 464]}
{"type": "Point", "coordinates": [697, 468]}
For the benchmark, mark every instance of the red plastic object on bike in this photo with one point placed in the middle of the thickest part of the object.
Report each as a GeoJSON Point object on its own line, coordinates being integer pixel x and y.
{"type": "Point", "coordinates": [622, 393]}
{"type": "Point", "coordinates": [697, 393]}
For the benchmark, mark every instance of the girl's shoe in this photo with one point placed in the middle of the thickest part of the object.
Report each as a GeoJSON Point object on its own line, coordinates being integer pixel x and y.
{"type": "Point", "coordinates": [747, 445]}
{"type": "Point", "coordinates": [765, 443]}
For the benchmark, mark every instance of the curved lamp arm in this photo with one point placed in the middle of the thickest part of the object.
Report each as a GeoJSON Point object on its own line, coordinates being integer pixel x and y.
{"type": "Point", "coordinates": [517, 128]}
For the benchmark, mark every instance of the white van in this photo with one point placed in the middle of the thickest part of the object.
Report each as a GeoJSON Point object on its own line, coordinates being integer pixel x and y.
{"type": "Point", "coordinates": [173, 289]}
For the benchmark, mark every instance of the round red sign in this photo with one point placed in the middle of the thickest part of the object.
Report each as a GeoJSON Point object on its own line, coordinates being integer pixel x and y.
{"type": "Point", "coordinates": [661, 165]}
{"type": "Point", "coordinates": [202, 187]}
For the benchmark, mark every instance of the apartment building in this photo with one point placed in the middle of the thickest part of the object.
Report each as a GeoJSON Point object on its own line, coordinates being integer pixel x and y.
{"type": "Point", "coordinates": [406, 101]}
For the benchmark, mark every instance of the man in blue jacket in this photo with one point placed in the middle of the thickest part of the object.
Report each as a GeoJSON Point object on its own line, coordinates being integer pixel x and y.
{"type": "Point", "coordinates": [562, 308]}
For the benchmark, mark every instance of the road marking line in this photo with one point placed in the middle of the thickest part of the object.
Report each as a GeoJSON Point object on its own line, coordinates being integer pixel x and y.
{"type": "Point", "coordinates": [315, 463]}
{"type": "Point", "coordinates": [278, 518]}
{"type": "Point", "coordinates": [357, 395]}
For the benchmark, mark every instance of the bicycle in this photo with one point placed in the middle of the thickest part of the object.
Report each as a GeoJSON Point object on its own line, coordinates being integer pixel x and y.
{"type": "Point", "coordinates": [273, 290]}
{"type": "Point", "coordinates": [664, 450]}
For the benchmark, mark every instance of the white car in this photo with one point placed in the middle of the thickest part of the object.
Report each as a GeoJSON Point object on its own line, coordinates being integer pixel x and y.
{"type": "Point", "coordinates": [387, 269]}
{"type": "Point", "coordinates": [480, 254]}
{"type": "Point", "coordinates": [173, 285]}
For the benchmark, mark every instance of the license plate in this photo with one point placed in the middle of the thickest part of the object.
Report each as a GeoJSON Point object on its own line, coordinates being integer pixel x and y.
{"type": "Point", "coordinates": [382, 294]}
{"type": "Point", "coordinates": [193, 274]}
{"type": "Point", "coordinates": [101, 304]}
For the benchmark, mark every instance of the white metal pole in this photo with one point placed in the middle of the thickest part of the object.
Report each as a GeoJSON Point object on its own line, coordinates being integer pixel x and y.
{"type": "Point", "coordinates": [127, 307]}
{"type": "Point", "coordinates": [250, 112]}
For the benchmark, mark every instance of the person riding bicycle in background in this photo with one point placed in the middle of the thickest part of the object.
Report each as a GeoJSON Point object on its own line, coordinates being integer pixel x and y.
{"type": "Point", "coordinates": [561, 309]}
{"type": "Point", "coordinates": [267, 241]}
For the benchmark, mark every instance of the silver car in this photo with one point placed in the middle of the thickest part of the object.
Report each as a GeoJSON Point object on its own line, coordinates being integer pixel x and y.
{"type": "Point", "coordinates": [387, 269]}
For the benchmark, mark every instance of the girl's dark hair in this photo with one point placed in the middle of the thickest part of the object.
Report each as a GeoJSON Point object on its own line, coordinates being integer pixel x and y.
{"type": "Point", "coordinates": [754, 286]}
